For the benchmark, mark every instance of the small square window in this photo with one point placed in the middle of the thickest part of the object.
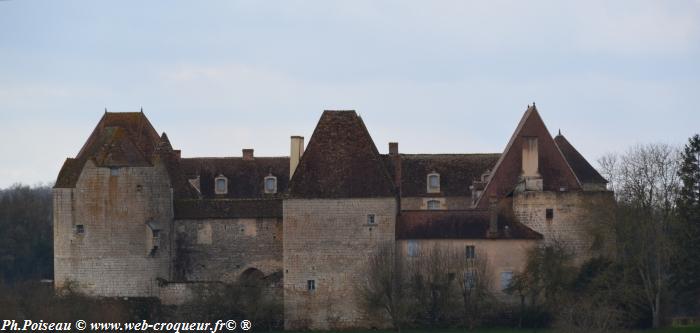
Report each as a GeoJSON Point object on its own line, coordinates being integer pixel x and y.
{"type": "Point", "coordinates": [549, 213]}
{"type": "Point", "coordinates": [114, 171]}
{"type": "Point", "coordinates": [412, 248]}
{"type": "Point", "coordinates": [470, 252]}
{"type": "Point", "coordinates": [371, 219]}
{"type": "Point", "coordinates": [79, 229]}
{"type": "Point", "coordinates": [311, 285]}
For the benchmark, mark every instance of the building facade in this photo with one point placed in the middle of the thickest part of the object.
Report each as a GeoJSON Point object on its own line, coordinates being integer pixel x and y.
{"type": "Point", "coordinates": [132, 218]}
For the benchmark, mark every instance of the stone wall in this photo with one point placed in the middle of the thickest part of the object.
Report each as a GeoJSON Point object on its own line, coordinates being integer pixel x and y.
{"type": "Point", "coordinates": [221, 249]}
{"type": "Point", "coordinates": [573, 214]}
{"type": "Point", "coordinates": [329, 241]}
{"type": "Point", "coordinates": [113, 256]}
{"type": "Point", "coordinates": [451, 203]}
{"type": "Point", "coordinates": [501, 255]}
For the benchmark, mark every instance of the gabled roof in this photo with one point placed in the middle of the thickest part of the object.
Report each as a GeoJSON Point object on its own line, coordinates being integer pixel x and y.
{"type": "Point", "coordinates": [119, 139]}
{"type": "Point", "coordinates": [584, 171]}
{"type": "Point", "coordinates": [453, 224]}
{"type": "Point", "coordinates": [553, 167]}
{"type": "Point", "coordinates": [341, 161]}
{"type": "Point", "coordinates": [457, 172]}
{"type": "Point", "coordinates": [245, 178]}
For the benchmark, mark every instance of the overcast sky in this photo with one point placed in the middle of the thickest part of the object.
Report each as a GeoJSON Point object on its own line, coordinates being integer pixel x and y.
{"type": "Point", "coordinates": [436, 76]}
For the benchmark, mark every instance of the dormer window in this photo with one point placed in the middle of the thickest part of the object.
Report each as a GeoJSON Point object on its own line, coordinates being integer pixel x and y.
{"type": "Point", "coordinates": [270, 184]}
{"type": "Point", "coordinates": [221, 184]}
{"type": "Point", "coordinates": [433, 182]}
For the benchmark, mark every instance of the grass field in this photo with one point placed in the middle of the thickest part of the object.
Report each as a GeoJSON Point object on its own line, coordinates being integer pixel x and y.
{"type": "Point", "coordinates": [663, 330]}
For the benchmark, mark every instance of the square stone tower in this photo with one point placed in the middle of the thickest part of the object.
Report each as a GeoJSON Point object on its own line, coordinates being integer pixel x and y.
{"type": "Point", "coordinates": [341, 208]}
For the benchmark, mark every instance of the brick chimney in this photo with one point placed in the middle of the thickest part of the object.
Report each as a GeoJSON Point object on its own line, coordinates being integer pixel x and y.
{"type": "Point", "coordinates": [295, 153]}
{"type": "Point", "coordinates": [248, 154]}
{"type": "Point", "coordinates": [493, 217]}
{"type": "Point", "coordinates": [393, 148]}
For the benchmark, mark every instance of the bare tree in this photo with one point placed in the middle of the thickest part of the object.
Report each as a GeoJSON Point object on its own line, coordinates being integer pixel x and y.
{"type": "Point", "coordinates": [433, 284]}
{"type": "Point", "coordinates": [646, 182]}
{"type": "Point", "coordinates": [384, 288]}
{"type": "Point", "coordinates": [476, 289]}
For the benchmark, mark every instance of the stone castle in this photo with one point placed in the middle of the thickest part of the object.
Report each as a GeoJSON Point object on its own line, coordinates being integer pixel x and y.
{"type": "Point", "coordinates": [132, 218]}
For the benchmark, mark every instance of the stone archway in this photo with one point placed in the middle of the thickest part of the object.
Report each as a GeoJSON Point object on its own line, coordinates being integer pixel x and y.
{"type": "Point", "coordinates": [251, 277]}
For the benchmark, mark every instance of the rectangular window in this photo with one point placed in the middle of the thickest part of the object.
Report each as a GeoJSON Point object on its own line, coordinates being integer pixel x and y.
{"type": "Point", "coordinates": [433, 183]}
{"type": "Point", "coordinates": [470, 252]}
{"type": "Point", "coordinates": [270, 185]}
{"type": "Point", "coordinates": [506, 277]}
{"type": "Point", "coordinates": [79, 229]}
{"type": "Point", "coordinates": [310, 285]}
{"type": "Point", "coordinates": [412, 248]}
{"type": "Point", "coordinates": [114, 171]}
{"type": "Point", "coordinates": [156, 239]}
{"type": "Point", "coordinates": [549, 213]}
{"type": "Point", "coordinates": [220, 186]}
{"type": "Point", "coordinates": [433, 204]}
{"type": "Point", "coordinates": [371, 219]}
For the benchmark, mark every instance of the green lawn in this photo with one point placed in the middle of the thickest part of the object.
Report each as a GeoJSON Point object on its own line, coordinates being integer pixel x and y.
{"type": "Point", "coordinates": [663, 330]}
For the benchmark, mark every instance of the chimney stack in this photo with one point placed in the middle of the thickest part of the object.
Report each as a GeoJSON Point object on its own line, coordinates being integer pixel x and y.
{"type": "Point", "coordinates": [393, 148]}
{"type": "Point", "coordinates": [530, 157]}
{"type": "Point", "coordinates": [297, 149]}
{"type": "Point", "coordinates": [493, 217]}
{"type": "Point", "coordinates": [247, 154]}
{"type": "Point", "coordinates": [396, 158]}
{"type": "Point", "coordinates": [531, 172]}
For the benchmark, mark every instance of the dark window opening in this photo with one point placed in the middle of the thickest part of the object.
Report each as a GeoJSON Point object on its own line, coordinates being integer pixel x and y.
{"type": "Point", "coordinates": [550, 213]}
{"type": "Point", "coordinates": [470, 252]}
{"type": "Point", "coordinates": [79, 229]}
{"type": "Point", "coordinates": [311, 285]}
{"type": "Point", "coordinates": [371, 219]}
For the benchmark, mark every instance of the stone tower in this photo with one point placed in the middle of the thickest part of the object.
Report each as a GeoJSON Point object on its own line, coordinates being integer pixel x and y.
{"type": "Point", "coordinates": [341, 208]}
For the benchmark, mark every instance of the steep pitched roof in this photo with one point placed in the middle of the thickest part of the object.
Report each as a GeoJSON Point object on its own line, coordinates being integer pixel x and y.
{"type": "Point", "coordinates": [452, 224]}
{"type": "Point", "coordinates": [341, 161]}
{"type": "Point", "coordinates": [584, 171]}
{"type": "Point", "coordinates": [119, 139]}
{"type": "Point", "coordinates": [457, 172]}
{"type": "Point", "coordinates": [245, 178]}
{"type": "Point", "coordinates": [553, 167]}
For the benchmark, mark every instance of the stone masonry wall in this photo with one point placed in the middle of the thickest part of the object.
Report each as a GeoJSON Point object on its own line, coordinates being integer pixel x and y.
{"type": "Point", "coordinates": [113, 256]}
{"type": "Point", "coordinates": [573, 213]}
{"type": "Point", "coordinates": [447, 203]}
{"type": "Point", "coordinates": [329, 241]}
{"type": "Point", "coordinates": [221, 249]}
